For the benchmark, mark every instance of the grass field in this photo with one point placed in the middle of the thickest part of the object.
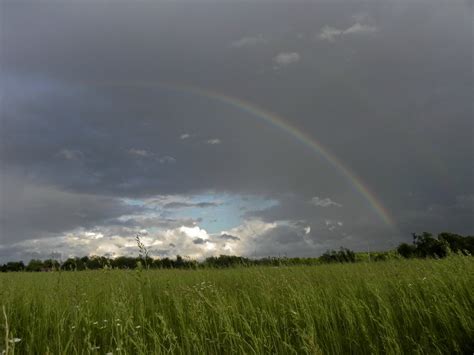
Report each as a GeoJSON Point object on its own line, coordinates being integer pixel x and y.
{"type": "Point", "coordinates": [392, 307]}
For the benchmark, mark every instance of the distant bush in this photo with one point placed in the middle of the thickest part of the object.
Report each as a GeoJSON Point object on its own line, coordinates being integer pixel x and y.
{"type": "Point", "coordinates": [226, 261]}
{"type": "Point", "coordinates": [343, 255]}
{"type": "Point", "coordinates": [406, 250]}
{"type": "Point", "coordinates": [381, 257]}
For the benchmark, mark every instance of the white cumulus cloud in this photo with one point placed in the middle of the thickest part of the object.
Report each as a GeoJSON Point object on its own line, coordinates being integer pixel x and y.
{"type": "Point", "coordinates": [194, 232]}
{"type": "Point", "coordinates": [324, 202]}
{"type": "Point", "coordinates": [361, 29]}
{"type": "Point", "coordinates": [214, 141]}
{"type": "Point", "coordinates": [286, 58]}
{"type": "Point", "coordinates": [248, 41]}
{"type": "Point", "coordinates": [166, 159]}
{"type": "Point", "coordinates": [142, 153]}
{"type": "Point", "coordinates": [330, 34]}
{"type": "Point", "coordinates": [139, 152]}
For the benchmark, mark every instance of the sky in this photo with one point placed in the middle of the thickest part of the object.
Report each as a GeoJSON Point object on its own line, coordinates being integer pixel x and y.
{"type": "Point", "coordinates": [254, 128]}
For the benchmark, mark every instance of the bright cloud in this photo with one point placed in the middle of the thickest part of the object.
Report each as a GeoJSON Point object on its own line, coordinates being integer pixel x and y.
{"type": "Point", "coordinates": [333, 225]}
{"type": "Point", "coordinates": [286, 58]}
{"type": "Point", "coordinates": [330, 34]}
{"type": "Point", "coordinates": [253, 237]}
{"type": "Point", "coordinates": [166, 159]}
{"type": "Point", "coordinates": [214, 141]}
{"type": "Point", "coordinates": [361, 29]}
{"type": "Point", "coordinates": [194, 232]}
{"type": "Point", "coordinates": [324, 202]}
{"type": "Point", "coordinates": [248, 41]}
{"type": "Point", "coordinates": [139, 152]}
{"type": "Point", "coordinates": [142, 153]}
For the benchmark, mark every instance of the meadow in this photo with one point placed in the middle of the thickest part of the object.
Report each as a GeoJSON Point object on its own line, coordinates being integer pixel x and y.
{"type": "Point", "coordinates": [404, 306]}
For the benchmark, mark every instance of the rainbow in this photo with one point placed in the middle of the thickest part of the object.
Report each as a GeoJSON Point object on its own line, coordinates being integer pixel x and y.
{"type": "Point", "coordinates": [279, 123]}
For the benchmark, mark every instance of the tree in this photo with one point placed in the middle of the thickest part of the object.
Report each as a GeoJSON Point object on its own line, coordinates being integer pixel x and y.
{"type": "Point", "coordinates": [50, 264]}
{"type": "Point", "coordinates": [70, 264]}
{"type": "Point", "coordinates": [458, 243]}
{"type": "Point", "coordinates": [94, 263]}
{"type": "Point", "coordinates": [15, 266]}
{"type": "Point", "coordinates": [124, 262]}
{"type": "Point", "coordinates": [427, 246]}
{"type": "Point", "coordinates": [34, 265]}
{"type": "Point", "coordinates": [406, 250]}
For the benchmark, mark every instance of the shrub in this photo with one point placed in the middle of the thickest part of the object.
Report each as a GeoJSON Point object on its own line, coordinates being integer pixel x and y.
{"type": "Point", "coordinates": [342, 256]}
{"type": "Point", "coordinates": [406, 250]}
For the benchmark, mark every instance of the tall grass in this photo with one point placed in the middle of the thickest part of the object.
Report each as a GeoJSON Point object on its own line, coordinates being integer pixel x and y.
{"type": "Point", "coordinates": [393, 307]}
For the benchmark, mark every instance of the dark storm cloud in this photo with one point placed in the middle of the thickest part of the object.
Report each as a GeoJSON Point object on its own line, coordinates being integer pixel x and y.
{"type": "Point", "coordinates": [228, 237]}
{"type": "Point", "coordinates": [281, 240]}
{"type": "Point", "coordinates": [141, 221]}
{"type": "Point", "coordinates": [199, 241]}
{"type": "Point", "coordinates": [386, 87]}
{"type": "Point", "coordinates": [30, 211]}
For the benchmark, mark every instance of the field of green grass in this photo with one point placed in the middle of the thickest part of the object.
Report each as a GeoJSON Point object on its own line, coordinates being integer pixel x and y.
{"type": "Point", "coordinates": [392, 307]}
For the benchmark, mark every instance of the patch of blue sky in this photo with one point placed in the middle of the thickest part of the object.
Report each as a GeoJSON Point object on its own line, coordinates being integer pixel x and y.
{"type": "Point", "coordinates": [133, 202]}
{"type": "Point", "coordinates": [228, 211]}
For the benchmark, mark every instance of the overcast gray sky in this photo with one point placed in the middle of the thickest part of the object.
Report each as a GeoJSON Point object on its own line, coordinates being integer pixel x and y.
{"type": "Point", "coordinates": [120, 117]}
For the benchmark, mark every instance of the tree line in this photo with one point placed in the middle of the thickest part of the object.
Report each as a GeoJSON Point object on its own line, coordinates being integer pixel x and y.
{"type": "Point", "coordinates": [424, 245]}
